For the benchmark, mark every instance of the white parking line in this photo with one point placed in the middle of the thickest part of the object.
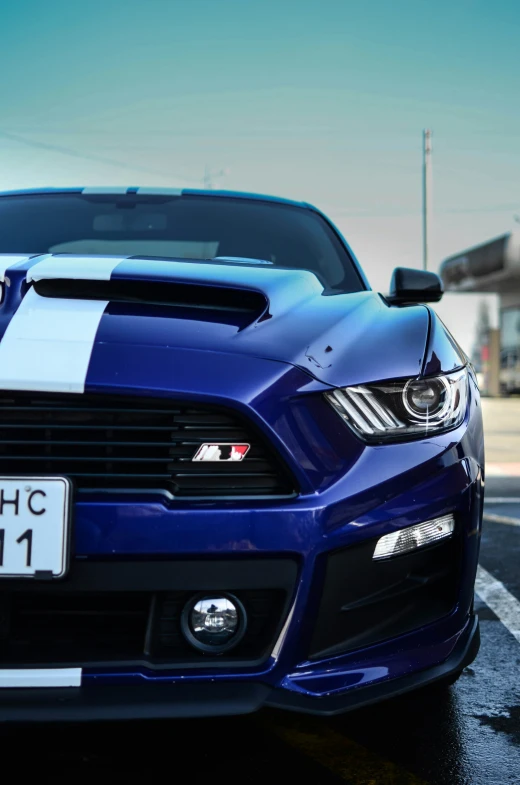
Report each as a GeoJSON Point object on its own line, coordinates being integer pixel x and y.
{"type": "Point", "coordinates": [502, 499]}
{"type": "Point", "coordinates": [489, 516]}
{"type": "Point", "coordinates": [500, 600]}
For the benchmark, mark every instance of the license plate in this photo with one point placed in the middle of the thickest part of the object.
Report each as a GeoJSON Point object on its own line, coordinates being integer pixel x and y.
{"type": "Point", "coordinates": [34, 526]}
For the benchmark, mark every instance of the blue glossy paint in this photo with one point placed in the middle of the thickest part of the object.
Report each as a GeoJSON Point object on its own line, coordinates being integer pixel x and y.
{"type": "Point", "coordinates": [238, 532]}
{"type": "Point", "coordinates": [275, 370]}
{"type": "Point", "coordinates": [349, 492]}
{"type": "Point", "coordinates": [339, 339]}
{"type": "Point", "coordinates": [28, 191]}
{"type": "Point", "coordinates": [241, 195]}
{"type": "Point", "coordinates": [443, 354]}
{"type": "Point", "coordinates": [284, 289]}
{"type": "Point", "coordinates": [167, 191]}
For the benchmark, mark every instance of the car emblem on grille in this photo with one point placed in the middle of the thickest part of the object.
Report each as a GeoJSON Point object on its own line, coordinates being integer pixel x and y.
{"type": "Point", "coordinates": [221, 452]}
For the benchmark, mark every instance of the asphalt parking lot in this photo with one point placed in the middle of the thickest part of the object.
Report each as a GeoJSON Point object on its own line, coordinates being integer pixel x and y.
{"type": "Point", "coordinates": [467, 735]}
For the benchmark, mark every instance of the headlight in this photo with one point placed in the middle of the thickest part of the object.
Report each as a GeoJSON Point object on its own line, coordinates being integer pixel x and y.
{"type": "Point", "coordinates": [403, 409]}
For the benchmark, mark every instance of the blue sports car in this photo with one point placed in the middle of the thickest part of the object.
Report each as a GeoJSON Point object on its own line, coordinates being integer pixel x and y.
{"type": "Point", "coordinates": [231, 474]}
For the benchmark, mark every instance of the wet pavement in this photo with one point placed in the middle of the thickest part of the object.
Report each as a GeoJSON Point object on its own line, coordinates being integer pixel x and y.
{"type": "Point", "coordinates": [466, 735]}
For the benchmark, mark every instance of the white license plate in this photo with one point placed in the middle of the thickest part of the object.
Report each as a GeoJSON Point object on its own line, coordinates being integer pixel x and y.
{"type": "Point", "coordinates": [34, 526]}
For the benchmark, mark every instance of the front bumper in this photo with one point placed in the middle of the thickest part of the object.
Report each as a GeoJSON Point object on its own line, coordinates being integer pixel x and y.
{"type": "Point", "coordinates": [177, 699]}
{"type": "Point", "coordinates": [294, 670]}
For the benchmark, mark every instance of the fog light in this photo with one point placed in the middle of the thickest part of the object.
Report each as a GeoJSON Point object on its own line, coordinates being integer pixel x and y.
{"type": "Point", "coordinates": [413, 537]}
{"type": "Point", "coordinates": [214, 624]}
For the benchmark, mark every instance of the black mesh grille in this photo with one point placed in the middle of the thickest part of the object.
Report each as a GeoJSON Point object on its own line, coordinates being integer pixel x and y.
{"type": "Point", "coordinates": [366, 601]}
{"type": "Point", "coordinates": [128, 443]}
{"type": "Point", "coordinates": [73, 627]}
{"type": "Point", "coordinates": [123, 627]}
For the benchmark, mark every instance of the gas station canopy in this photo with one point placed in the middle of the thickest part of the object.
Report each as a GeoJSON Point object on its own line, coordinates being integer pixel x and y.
{"type": "Point", "coordinates": [491, 267]}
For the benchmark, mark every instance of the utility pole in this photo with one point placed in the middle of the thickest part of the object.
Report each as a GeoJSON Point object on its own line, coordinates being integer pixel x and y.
{"type": "Point", "coordinates": [427, 194]}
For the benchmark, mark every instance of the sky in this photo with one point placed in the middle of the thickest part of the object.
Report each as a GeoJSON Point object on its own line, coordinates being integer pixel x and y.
{"type": "Point", "coordinates": [321, 101]}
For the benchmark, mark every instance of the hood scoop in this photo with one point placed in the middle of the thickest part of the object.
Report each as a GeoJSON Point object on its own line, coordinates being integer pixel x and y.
{"type": "Point", "coordinates": [157, 293]}
{"type": "Point", "coordinates": [107, 307]}
{"type": "Point", "coordinates": [257, 290]}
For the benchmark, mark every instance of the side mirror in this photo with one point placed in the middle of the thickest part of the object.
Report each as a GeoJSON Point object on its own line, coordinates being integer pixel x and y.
{"type": "Point", "coordinates": [414, 286]}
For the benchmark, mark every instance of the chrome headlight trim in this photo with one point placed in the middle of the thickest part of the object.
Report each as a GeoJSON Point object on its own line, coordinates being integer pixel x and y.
{"type": "Point", "coordinates": [384, 412]}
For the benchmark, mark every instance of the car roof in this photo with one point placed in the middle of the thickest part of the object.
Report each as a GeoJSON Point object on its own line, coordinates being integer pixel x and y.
{"type": "Point", "coordinates": [146, 191]}
{"type": "Point", "coordinates": [158, 191]}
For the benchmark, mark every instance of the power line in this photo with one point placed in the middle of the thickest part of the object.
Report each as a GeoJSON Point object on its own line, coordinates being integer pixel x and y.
{"type": "Point", "coordinates": [409, 211]}
{"type": "Point", "coordinates": [89, 156]}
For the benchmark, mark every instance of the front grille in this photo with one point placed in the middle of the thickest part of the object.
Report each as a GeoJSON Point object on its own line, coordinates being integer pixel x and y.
{"type": "Point", "coordinates": [116, 443]}
{"type": "Point", "coordinates": [96, 627]}
{"type": "Point", "coordinates": [73, 628]}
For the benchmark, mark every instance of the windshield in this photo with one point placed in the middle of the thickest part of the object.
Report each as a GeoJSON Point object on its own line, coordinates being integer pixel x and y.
{"type": "Point", "coordinates": [187, 227]}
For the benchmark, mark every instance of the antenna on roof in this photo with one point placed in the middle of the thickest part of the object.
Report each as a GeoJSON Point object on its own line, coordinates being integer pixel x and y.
{"type": "Point", "coordinates": [209, 177]}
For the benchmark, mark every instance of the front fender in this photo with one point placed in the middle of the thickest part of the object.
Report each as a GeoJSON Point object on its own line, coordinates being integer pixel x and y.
{"type": "Point", "coordinates": [443, 354]}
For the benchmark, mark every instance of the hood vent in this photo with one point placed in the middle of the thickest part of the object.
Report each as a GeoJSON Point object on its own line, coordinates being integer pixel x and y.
{"type": "Point", "coordinates": [159, 293]}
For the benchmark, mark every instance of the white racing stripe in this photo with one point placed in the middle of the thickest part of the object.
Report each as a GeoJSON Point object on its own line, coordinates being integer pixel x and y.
{"type": "Point", "coordinates": [40, 677]}
{"type": "Point", "coordinates": [500, 600]}
{"type": "Point", "coordinates": [48, 344]}
{"type": "Point", "coordinates": [87, 268]}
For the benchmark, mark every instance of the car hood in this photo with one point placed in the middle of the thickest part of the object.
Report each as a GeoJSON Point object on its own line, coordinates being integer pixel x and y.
{"type": "Point", "coordinates": [256, 311]}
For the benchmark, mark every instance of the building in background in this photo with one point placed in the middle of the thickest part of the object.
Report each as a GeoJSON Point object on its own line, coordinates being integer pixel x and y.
{"type": "Point", "coordinates": [493, 267]}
